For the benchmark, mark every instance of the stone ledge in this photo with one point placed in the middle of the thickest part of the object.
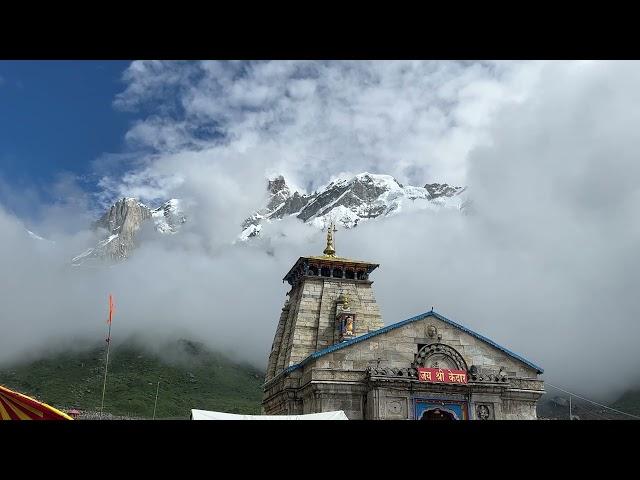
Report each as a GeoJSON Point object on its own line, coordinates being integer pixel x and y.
{"type": "Point", "coordinates": [526, 384]}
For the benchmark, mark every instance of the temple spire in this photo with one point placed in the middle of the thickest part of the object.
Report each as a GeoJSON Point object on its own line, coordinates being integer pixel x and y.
{"type": "Point", "coordinates": [330, 250]}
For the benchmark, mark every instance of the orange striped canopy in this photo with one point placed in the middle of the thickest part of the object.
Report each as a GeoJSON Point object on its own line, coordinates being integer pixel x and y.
{"type": "Point", "coordinates": [16, 406]}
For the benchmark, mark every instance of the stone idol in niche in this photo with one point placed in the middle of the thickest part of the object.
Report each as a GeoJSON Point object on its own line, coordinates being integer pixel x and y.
{"type": "Point", "coordinates": [346, 318]}
{"type": "Point", "coordinates": [348, 326]}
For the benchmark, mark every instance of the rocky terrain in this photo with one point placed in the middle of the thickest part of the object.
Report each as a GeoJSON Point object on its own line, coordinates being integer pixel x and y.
{"type": "Point", "coordinates": [348, 202]}
{"type": "Point", "coordinates": [121, 224]}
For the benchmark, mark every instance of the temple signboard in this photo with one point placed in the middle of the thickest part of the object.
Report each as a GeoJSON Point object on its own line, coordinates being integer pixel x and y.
{"type": "Point", "coordinates": [442, 375]}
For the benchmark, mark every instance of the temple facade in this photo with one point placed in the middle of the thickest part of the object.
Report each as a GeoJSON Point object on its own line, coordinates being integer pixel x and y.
{"type": "Point", "coordinates": [331, 351]}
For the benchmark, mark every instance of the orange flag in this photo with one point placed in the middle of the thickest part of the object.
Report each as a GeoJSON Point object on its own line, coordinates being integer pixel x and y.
{"type": "Point", "coordinates": [111, 309]}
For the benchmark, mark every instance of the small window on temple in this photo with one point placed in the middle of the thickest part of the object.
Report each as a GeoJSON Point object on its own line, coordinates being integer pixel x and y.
{"type": "Point", "coordinates": [326, 272]}
{"type": "Point", "coordinates": [349, 274]}
{"type": "Point", "coordinates": [337, 272]}
{"type": "Point", "coordinates": [313, 271]}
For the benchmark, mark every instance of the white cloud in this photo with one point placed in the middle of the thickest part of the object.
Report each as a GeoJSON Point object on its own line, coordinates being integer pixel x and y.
{"type": "Point", "coordinates": [414, 120]}
{"type": "Point", "coordinates": [546, 265]}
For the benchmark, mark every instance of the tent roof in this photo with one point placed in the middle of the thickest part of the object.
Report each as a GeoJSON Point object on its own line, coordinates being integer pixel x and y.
{"type": "Point", "coordinates": [17, 406]}
{"type": "Point", "coordinates": [208, 415]}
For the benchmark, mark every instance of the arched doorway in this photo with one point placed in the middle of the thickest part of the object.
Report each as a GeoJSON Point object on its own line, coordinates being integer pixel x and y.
{"type": "Point", "coordinates": [437, 414]}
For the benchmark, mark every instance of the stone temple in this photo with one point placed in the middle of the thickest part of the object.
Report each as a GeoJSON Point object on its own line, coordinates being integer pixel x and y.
{"type": "Point", "coordinates": [331, 351]}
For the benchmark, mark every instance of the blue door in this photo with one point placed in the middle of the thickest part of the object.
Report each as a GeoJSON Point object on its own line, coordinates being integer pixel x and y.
{"type": "Point", "coordinates": [431, 409]}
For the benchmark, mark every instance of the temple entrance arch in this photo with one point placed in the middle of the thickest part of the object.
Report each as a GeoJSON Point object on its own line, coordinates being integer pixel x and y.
{"type": "Point", "coordinates": [439, 355]}
{"type": "Point", "coordinates": [438, 414]}
{"type": "Point", "coordinates": [440, 409]}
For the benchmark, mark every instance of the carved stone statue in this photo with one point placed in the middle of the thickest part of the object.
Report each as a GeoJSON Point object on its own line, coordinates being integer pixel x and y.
{"type": "Point", "coordinates": [483, 412]}
{"type": "Point", "coordinates": [432, 331]}
{"type": "Point", "coordinates": [345, 301]}
{"type": "Point", "coordinates": [348, 327]}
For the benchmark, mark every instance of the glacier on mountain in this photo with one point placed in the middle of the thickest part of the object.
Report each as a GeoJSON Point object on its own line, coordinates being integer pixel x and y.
{"type": "Point", "coordinates": [347, 200]}
{"type": "Point", "coordinates": [122, 222]}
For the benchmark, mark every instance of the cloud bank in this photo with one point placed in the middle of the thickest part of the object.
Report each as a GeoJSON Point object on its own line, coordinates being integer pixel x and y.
{"type": "Point", "coordinates": [545, 263]}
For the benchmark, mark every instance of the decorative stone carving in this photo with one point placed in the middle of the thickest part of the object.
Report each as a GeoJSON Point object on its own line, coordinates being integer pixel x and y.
{"type": "Point", "coordinates": [348, 326]}
{"type": "Point", "coordinates": [439, 355]}
{"type": "Point", "coordinates": [432, 331]}
{"type": "Point", "coordinates": [483, 412]}
{"type": "Point", "coordinates": [345, 318]}
{"type": "Point", "coordinates": [396, 408]}
{"type": "Point", "coordinates": [410, 373]}
{"type": "Point", "coordinates": [343, 300]}
{"type": "Point", "coordinates": [526, 384]}
{"type": "Point", "coordinates": [487, 375]}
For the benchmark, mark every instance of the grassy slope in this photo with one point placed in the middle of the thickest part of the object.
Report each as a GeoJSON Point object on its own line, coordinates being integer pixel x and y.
{"type": "Point", "coordinates": [629, 402]}
{"type": "Point", "coordinates": [196, 378]}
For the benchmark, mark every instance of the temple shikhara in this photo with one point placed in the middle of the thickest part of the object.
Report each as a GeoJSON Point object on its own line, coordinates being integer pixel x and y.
{"type": "Point", "coordinates": [331, 351]}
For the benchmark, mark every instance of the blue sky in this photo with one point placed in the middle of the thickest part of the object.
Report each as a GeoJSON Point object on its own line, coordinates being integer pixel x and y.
{"type": "Point", "coordinates": [55, 117]}
{"type": "Point", "coordinates": [548, 150]}
{"type": "Point", "coordinates": [300, 119]}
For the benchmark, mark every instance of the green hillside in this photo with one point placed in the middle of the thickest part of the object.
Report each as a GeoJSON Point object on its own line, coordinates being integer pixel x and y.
{"type": "Point", "coordinates": [190, 375]}
{"type": "Point", "coordinates": [629, 402]}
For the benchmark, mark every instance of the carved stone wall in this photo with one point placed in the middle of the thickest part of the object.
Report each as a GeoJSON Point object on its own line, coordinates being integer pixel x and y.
{"type": "Point", "coordinates": [330, 397]}
{"type": "Point", "coordinates": [308, 321]}
{"type": "Point", "coordinates": [376, 378]}
{"type": "Point", "coordinates": [398, 349]}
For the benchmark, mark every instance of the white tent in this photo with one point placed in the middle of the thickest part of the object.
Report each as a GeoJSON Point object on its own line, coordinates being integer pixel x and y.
{"type": "Point", "coordinates": [206, 415]}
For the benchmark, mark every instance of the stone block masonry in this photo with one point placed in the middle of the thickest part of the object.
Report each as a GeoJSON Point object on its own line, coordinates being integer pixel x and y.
{"type": "Point", "coordinates": [331, 302]}
{"type": "Point", "coordinates": [308, 322]}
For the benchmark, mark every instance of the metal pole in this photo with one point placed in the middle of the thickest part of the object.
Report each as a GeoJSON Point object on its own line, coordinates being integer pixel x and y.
{"type": "Point", "coordinates": [592, 402]}
{"type": "Point", "coordinates": [106, 368]}
{"type": "Point", "coordinates": [334, 235]}
{"type": "Point", "coordinates": [156, 402]}
{"type": "Point", "coordinates": [570, 416]}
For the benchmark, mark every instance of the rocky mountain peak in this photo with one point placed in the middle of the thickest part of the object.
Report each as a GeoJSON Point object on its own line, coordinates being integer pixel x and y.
{"type": "Point", "coordinates": [277, 184]}
{"type": "Point", "coordinates": [124, 217]}
{"type": "Point", "coordinates": [169, 216]}
{"type": "Point", "coordinates": [442, 189]}
{"type": "Point", "coordinates": [349, 201]}
{"type": "Point", "coordinates": [121, 223]}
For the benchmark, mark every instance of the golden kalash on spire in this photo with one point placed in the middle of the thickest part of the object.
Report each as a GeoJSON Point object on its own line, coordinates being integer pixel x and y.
{"type": "Point", "coordinates": [330, 250]}
{"type": "Point", "coordinates": [329, 265]}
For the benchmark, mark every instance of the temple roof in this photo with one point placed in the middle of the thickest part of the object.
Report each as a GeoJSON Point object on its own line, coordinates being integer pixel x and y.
{"type": "Point", "coordinates": [339, 346]}
{"type": "Point", "coordinates": [330, 256]}
{"type": "Point", "coordinates": [338, 259]}
{"type": "Point", "coordinates": [370, 266]}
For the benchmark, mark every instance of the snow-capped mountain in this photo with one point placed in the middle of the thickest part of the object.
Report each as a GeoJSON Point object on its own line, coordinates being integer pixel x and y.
{"type": "Point", "coordinates": [350, 201]}
{"type": "Point", "coordinates": [122, 222]}
{"type": "Point", "coordinates": [347, 201]}
{"type": "Point", "coordinates": [168, 217]}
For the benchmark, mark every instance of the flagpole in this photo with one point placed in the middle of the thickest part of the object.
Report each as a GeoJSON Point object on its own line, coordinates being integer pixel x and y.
{"type": "Point", "coordinates": [106, 367]}
{"type": "Point", "coordinates": [156, 402]}
{"type": "Point", "coordinates": [334, 237]}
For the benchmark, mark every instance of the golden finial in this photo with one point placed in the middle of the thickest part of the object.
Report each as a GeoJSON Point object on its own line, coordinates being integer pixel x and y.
{"type": "Point", "coordinates": [330, 250]}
